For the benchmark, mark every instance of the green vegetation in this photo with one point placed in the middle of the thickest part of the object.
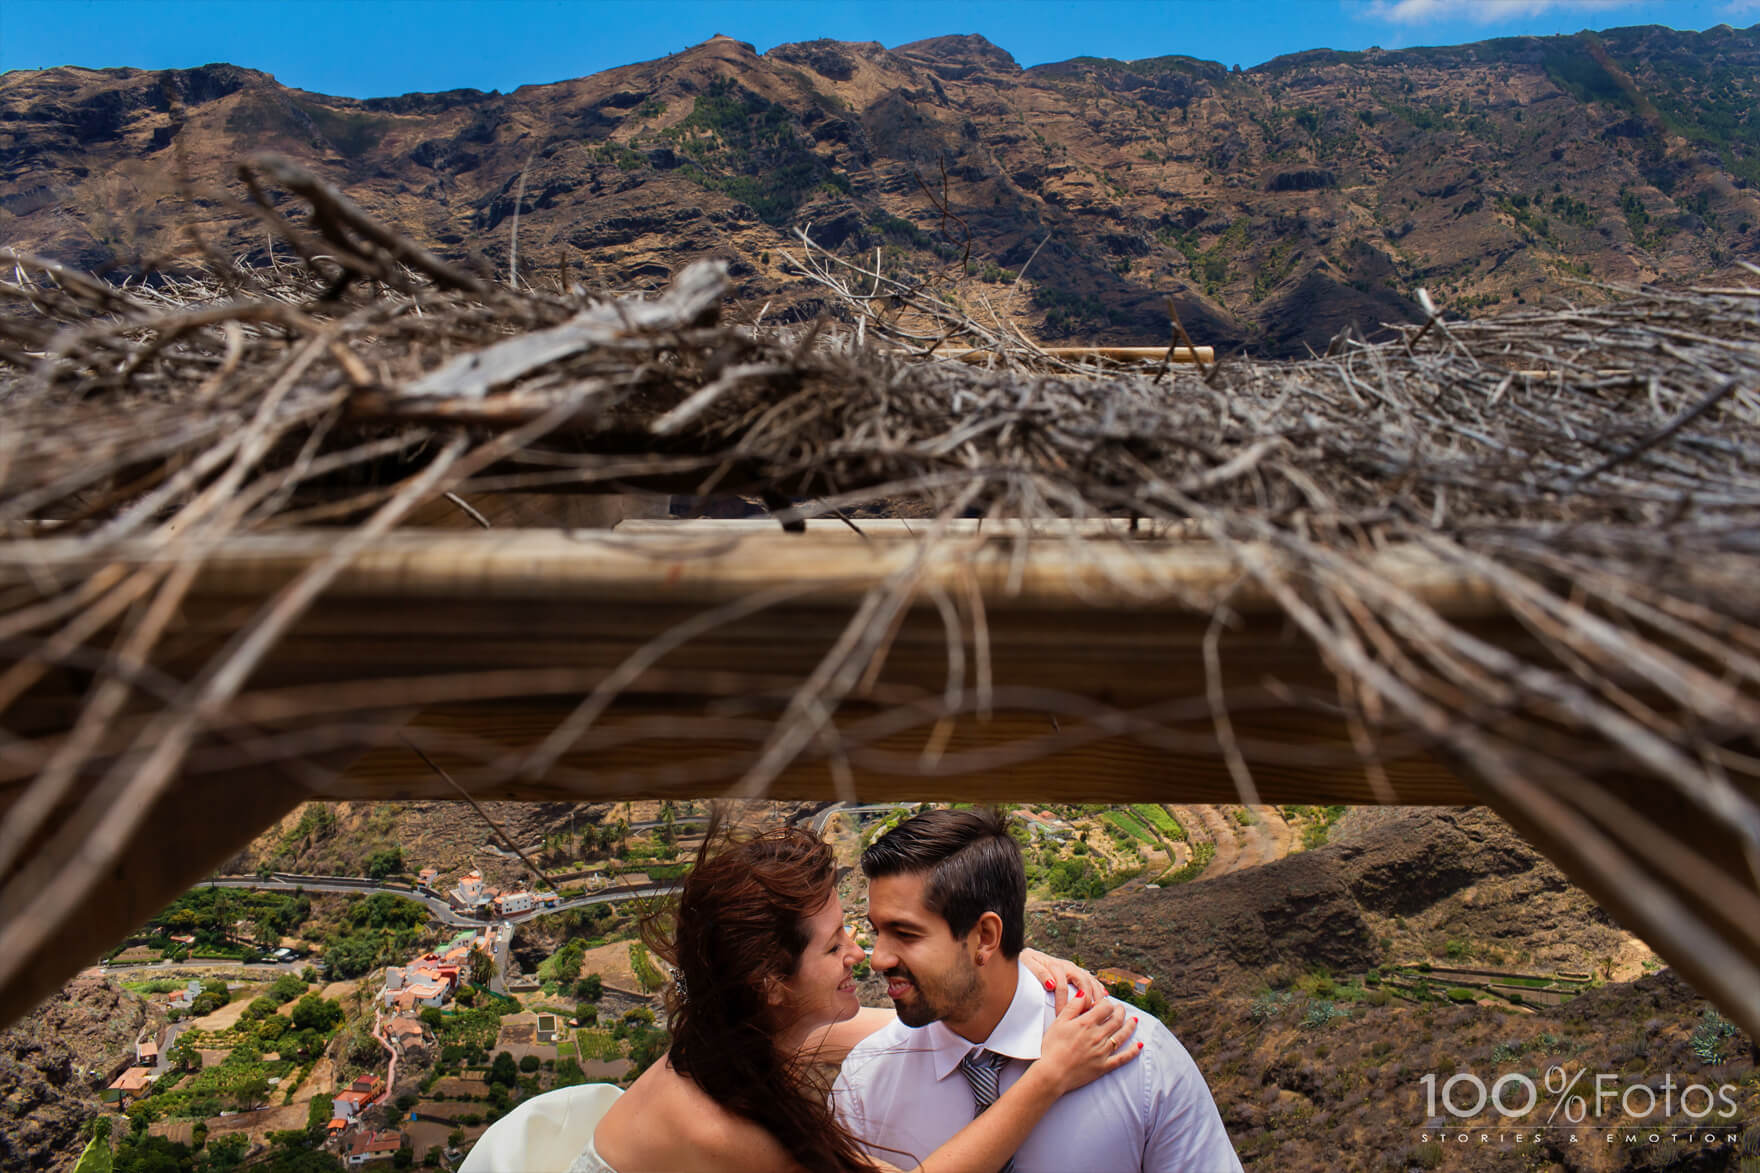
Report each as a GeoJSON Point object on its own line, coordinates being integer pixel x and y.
{"type": "Point", "coordinates": [1573, 211]}
{"type": "Point", "coordinates": [1321, 1014]}
{"type": "Point", "coordinates": [1418, 117]}
{"type": "Point", "coordinates": [317, 822]}
{"type": "Point", "coordinates": [645, 970]}
{"type": "Point", "coordinates": [898, 230]}
{"type": "Point", "coordinates": [1710, 1036]}
{"type": "Point", "coordinates": [1076, 879]}
{"type": "Point", "coordinates": [473, 1029]}
{"type": "Point", "coordinates": [211, 914]}
{"type": "Point", "coordinates": [294, 1151]}
{"type": "Point", "coordinates": [1161, 819]}
{"type": "Point", "coordinates": [564, 965]}
{"type": "Point", "coordinates": [1277, 265]}
{"type": "Point", "coordinates": [747, 147]}
{"type": "Point", "coordinates": [1424, 1155]}
{"type": "Point", "coordinates": [96, 1158]}
{"type": "Point", "coordinates": [285, 989]}
{"type": "Point", "coordinates": [381, 930]}
{"type": "Point", "coordinates": [388, 862]}
{"type": "Point", "coordinates": [1319, 821]}
{"type": "Point", "coordinates": [1528, 216]}
{"type": "Point", "coordinates": [1575, 65]}
{"type": "Point", "coordinates": [156, 986]}
{"type": "Point", "coordinates": [597, 1044]}
{"type": "Point", "coordinates": [241, 1080]}
{"type": "Point", "coordinates": [568, 1072]}
{"type": "Point", "coordinates": [1066, 309]}
{"type": "Point", "coordinates": [991, 273]}
{"type": "Point", "coordinates": [646, 1045]}
{"type": "Point", "coordinates": [1202, 854]}
{"type": "Point", "coordinates": [1637, 219]}
{"type": "Point", "coordinates": [1129, 825]}
{"type": "Point", "coordinates": [620, 155]}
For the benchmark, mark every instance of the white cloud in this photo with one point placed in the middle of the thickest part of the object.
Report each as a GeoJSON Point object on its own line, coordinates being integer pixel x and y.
{"type": "Point", "coordinates": [1741, 9]}
{"type": "Point", "coordinates": [1487, 11]}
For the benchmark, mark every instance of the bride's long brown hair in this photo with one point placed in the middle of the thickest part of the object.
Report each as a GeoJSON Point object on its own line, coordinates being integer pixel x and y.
{"type": "Point", "coordinates": [738, 925]}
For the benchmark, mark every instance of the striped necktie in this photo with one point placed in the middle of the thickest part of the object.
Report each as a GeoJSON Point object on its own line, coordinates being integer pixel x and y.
{"type": "Point", "coordinates": [982, 1070]}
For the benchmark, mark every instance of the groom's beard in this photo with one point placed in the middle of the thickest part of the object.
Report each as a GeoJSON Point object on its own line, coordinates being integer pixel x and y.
{"type": "Point", "coordinates": [954, 994]}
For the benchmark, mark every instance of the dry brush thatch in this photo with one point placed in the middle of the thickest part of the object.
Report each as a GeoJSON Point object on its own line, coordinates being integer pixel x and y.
{"type": "Point", "coordinates": [1591, 473]}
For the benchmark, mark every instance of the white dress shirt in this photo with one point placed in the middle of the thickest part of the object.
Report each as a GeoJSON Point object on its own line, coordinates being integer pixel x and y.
{"type": "Point", "coordinates": [902, 1094]}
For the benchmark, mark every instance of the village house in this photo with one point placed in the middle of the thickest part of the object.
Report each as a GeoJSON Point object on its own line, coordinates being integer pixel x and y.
{"type": "Point", "coordinates": [417, 985]}
{"type": "Point", "coordinates": [146, 1051]}
{"type": "Point", "coordinates": [186, 996]}
{"type": "Point", "coordinates": [374, 1146]}
{"type": "Point", "coordinates": [1113, 976]}
{"type": "Point", "coordinates": [470, 891]}
{"type": "Point", "coordinates": [1044, 824]}
{"type": "Point", "coordinates": [429, 980]}
{"type": "Point", "coordinates": [406, 1033]}
{"type": "Point", "coordinates": [362, 1094]}
{"type": "Point", "coordinates": [131, 1085]}
{"type": "Point", "coordinates": [508, 903]}
{"type": "Point", "coordinates": [426, 877]}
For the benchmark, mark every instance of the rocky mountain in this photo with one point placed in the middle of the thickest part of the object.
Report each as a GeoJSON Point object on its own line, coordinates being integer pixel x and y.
{"type": "Point", "coordinates": [1258, 967]}
{"type": "Point", "coordinates": [1395, 884]}
{"type": "Point", "coordinates": [1274, 205]}
{"type": "Point", "coordinates": [54, 1064]}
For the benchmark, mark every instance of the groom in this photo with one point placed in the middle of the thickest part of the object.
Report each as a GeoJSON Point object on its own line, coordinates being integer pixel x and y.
{"type": "Point", "coordinates": [947, 900]}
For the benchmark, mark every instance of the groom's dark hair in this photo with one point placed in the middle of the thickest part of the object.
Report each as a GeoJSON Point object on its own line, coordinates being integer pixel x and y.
{"type": "Point", "coordinates": [972, 864]}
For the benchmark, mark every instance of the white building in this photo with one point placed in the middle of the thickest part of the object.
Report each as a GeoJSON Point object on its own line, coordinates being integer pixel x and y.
{"type": "Point", "coordinates": [471, 891]}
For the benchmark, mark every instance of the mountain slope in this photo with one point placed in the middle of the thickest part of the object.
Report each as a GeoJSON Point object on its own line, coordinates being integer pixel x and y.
{"type": "Point", "coordinates": [1275, 204]}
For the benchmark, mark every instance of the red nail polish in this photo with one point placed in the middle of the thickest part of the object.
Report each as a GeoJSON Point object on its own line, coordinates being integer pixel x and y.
{"type": "Point", "coordinates": [1050, 985]}
{"type": "Point", "coordinates": [1139, 1046]}
{"type": "Point", "coordinates": [1133, 1020]}
{"type": "Point", "coordinates": [1078, 993]}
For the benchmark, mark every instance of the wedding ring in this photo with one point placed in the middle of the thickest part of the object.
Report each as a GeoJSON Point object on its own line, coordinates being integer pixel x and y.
{"type": "Point", "coordinates": [1115, 1042]}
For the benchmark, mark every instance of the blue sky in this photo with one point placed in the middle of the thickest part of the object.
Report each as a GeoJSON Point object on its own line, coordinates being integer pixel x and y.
{"type": "Point", "coordinates": [371, 48]}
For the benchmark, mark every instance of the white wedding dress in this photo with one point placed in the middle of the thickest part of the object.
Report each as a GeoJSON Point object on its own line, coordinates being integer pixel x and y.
{"type": "Point", "coordinates": [551, 1133]}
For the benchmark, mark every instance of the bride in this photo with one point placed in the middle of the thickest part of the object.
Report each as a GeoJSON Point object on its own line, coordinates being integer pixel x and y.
{"type": "Point", "coordinates": [763, 1010]}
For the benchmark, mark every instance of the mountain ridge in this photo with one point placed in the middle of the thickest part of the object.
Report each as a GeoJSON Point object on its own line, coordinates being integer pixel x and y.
{"type": "Point", "coordinates": [1274, 205]}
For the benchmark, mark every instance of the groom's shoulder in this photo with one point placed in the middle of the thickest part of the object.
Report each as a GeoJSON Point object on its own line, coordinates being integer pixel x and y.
{"type": "Point", "coordinates": [885, 1057]}
{"type": "Point", "coordinates": [892, 1039]}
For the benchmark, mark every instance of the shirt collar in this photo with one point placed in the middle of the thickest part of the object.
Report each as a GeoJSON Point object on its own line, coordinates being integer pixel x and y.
{"type": "Point", "coordinates": [1018, 1035]}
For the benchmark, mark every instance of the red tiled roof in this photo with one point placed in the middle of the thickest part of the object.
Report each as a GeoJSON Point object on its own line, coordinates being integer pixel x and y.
{"type": "Point", "coordinates": [369, 1143]}
{"type": "Point", "coordinates": [132, 1080]}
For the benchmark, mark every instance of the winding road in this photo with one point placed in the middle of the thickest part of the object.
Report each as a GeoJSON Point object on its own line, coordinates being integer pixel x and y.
{"type": "Point", "coordinates": [436, 904]}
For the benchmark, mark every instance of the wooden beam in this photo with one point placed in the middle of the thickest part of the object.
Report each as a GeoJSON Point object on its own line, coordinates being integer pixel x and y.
{"type": "Point", "coordinates": [183, 838]}
{"type": "Point", "coordinates": [489, 639]}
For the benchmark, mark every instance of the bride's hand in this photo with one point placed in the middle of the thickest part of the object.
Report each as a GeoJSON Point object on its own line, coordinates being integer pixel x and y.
{"type": "Point", "coordinates": [1057, 975]}
{"type": "Point", "coordinates": [1087, 1040]}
